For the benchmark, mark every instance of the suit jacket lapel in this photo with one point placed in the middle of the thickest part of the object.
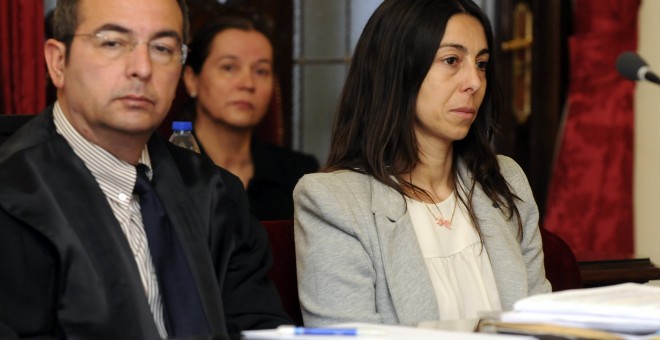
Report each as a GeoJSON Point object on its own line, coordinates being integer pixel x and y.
{"type": "Point", "coordinates": [80, 224]}
{"type": "Point", "coordinates": [190, 230]}
{"type": "Point", "coordinates": [105, 244]}
{"type": "Point", "coordinates": [407, 278]}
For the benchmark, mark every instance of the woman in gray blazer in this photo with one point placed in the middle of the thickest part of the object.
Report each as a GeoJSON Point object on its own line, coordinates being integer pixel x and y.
{"type": "Point", "coordinates": [416, 218]}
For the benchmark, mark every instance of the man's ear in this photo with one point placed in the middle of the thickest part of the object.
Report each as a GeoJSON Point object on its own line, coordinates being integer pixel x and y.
{"type": "Point", "coordinates": [190, 80]}
{"type": "Point", "coordinates": [55, 53]}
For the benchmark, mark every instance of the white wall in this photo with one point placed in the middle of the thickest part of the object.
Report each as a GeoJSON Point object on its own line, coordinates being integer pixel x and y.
{"type": "Point", "coordinates": [646, 189]}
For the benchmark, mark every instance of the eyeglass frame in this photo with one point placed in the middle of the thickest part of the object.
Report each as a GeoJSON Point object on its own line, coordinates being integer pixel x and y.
{"type": "Point", "coordinates": [134, 42]}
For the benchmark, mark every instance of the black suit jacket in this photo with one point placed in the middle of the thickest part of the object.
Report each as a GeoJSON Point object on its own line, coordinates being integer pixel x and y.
{"type": "Point", "coordinates": [67, 271]}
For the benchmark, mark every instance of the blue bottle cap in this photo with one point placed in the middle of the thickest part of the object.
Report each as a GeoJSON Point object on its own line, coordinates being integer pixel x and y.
{"type": "Point", "coordinates": [181, 126]}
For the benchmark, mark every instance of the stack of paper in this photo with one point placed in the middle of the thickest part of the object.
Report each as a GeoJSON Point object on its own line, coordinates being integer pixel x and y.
{"type": "Point", "coordinates": [374, 332]}
{"type": "Point", "coordinates": [628, 308]}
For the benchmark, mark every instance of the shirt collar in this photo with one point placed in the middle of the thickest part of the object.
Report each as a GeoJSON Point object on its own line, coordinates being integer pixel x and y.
{"type": "Point", "coordinates": [104, 166]}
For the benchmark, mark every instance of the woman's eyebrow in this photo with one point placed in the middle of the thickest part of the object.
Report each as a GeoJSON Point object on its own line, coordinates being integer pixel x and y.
{"type": "Point", "coordinates": [463, 48]}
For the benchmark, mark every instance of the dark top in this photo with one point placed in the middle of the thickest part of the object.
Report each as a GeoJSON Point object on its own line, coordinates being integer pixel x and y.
{"type": "Point", "coordinates": [276, 172]}
{"type": "Point", "coordinates": [67, 270]}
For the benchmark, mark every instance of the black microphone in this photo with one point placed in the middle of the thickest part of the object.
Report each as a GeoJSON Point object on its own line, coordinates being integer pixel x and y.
{"type": "Point", "coordinates": [633, 67]}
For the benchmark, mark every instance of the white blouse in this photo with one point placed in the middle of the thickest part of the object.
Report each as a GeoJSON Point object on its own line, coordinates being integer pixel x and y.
{"type": "Point", "coordinates": [457, 262]}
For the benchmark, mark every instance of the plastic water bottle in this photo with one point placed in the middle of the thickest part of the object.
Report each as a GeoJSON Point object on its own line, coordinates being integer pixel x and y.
{"type": "Point", "coordinates": [182, 136]}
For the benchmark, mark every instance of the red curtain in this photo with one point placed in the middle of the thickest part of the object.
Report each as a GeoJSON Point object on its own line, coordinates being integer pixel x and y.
{"type": "Point", "coordinates": [590, 195]}
{"type": "Point", "coordinates": [22, 66]}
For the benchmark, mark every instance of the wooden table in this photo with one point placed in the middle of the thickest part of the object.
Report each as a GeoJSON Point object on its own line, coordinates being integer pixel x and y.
{"type": "Point", "coordinates": [596, 273]}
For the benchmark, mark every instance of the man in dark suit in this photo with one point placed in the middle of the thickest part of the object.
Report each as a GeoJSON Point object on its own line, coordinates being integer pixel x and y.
{"type": "Point", "coordinates": [77, 256]}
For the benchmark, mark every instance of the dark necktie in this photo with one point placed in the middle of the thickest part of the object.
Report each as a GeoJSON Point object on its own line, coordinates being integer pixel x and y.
{"type": "Point", "coordinates": [184, 315]}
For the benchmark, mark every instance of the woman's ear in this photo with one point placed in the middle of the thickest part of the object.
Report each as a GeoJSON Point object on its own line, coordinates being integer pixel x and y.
{"type": "Point", "coordinates": [55, 54]}
{"type": "Point", "coordinates": [190, 80]}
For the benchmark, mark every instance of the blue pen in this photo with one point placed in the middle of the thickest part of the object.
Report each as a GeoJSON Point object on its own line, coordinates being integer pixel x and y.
{"type": "Point", "coordinates": [293, 330]}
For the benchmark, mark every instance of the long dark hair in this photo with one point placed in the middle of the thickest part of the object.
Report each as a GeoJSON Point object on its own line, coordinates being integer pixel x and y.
{"type": "Point", "coordinates": [373, 129]}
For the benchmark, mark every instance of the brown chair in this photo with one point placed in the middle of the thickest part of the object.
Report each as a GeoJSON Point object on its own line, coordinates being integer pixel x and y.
{"type": "Point", "coordinates": [561, 266]}
{"type": "Point", "coordinates": [283, 273]}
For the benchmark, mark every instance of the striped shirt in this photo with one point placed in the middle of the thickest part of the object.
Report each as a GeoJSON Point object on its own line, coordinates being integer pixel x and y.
{"type": "Point", "coordinates": [116, 179]}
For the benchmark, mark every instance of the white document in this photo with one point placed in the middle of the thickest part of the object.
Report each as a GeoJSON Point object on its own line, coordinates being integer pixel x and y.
{"type": "Point", "coordinates": [625, 308]}
{"type": "Point", "coordinates": [387, 332]}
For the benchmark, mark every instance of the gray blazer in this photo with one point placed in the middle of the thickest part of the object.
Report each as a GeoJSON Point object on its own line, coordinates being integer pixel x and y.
{"type": "Point", "coordinates": [358, 258]}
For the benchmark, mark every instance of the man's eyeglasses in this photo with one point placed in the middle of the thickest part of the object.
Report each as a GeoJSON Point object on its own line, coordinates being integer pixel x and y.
{"type": "Point", "coordinates": [162, 50]}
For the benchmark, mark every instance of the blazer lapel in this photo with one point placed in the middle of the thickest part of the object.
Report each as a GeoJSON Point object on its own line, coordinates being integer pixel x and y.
{"type": "Point", "coordinates": [499, 235]}
{"type": "Point", "coordinates": [80, 224]}
{"type": "Point", "coordinates": [407, 278]}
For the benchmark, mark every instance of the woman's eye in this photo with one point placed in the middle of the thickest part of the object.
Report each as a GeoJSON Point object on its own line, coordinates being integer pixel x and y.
{"type": "Point", "coordinates": [263, 72]}
{"type": "Point", "coordinates": [482, 65]}
{"type": "Point", "coordinates": [451, 61]}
